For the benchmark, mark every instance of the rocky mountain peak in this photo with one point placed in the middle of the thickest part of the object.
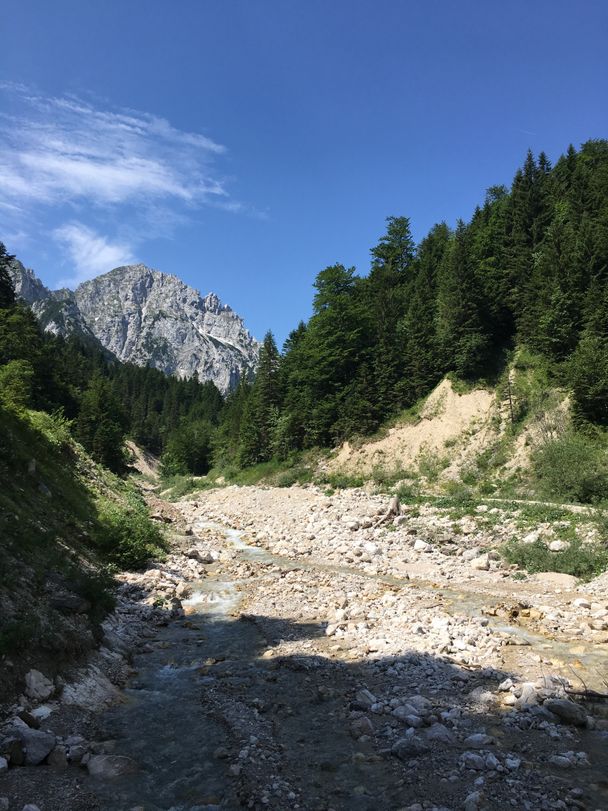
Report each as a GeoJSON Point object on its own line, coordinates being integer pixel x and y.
{"type": "Point", "coordinates": [150, 318]}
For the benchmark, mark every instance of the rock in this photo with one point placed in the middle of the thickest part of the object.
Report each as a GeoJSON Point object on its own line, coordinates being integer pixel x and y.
{"type": "Point", "coordinates": [3, 764]}
{"type": "Point", "coordinates": [479, 740]}
{"type": "Point", "coordinates": [30, 807]}
{"type": "Point", "coordinates": [410, 747]}
{"type": "Point", "coordinates": [109, 767]}
{"type": "Point", "coordinates": [4, 804]}
{"type": "Point", "coordinates": [37, 744]}
{"type": "Point", "coordinates": [202, 555]}
{"type": "Point", "coordinates": [580, 602]}
{"type": "Point", "coordinates": [12, 749]}
{"type": "Point", "coordinates": [422, 546]}
{"type": "Point", "coordinates": [91, 690]}
{"type": "Point", "coordinates": [29, 719]}
{"type": "Point", "coordinates": [567, 711]}
{"type": "Point", "coordinates": [556, 580]}
{"type": "Point", "coordinates": [482, 563]}
{"type": "Point", "coordinates": [439, 732]}
{"type": "Point", "coordinates": [148, 318]}
{"type": "Point", "coordinates": [57, 759]}
{"type": "Point", "coordinates": [558, 546]}
{"type": "Point", "coordinates": [560, 761]}
{"type": "Point", "coordinates": [473, 801]}
{"type": "Point", "coordinates": [365, 699]}
{"type": "Point", "coordinates": [68, 603]}
{"type": "Point", "coordinates": [37, 686]}
{"type": "Point", "coordinates": [361, 726]}
{"type": "Point", "coordinates": [471, 760]}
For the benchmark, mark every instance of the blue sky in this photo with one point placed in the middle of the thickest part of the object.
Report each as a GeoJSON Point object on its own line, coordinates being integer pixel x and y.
{"type": "Point", "coordinates": [246, 144]}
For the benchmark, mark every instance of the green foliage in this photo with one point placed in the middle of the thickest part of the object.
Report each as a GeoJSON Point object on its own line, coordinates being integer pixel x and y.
{"type": "Point", "coordinates": [7, 291]}
{"type": "Point", "coordinates": [341, 481]}
{"type": "Point", "coordinates": [16, 380]}
{"type": "Point", "coordinates": [189, 449]}
{"type": "Point", "coordinates": [126, 536]}
{"type": "Point", "coordinates": [573, 468]}
{"type": "Point", "coordinates": [584, 561]}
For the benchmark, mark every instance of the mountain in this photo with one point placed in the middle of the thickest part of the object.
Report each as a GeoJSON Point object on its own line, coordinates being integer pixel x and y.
{"type": "Point", "coordinates": [149, 318]}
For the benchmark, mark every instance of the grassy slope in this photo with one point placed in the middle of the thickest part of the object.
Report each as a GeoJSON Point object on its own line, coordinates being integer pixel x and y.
{"type": "Point", "coordinates": [63, 521]}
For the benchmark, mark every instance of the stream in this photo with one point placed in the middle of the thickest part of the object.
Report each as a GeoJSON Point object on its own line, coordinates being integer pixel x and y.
{"type": "Point", "coordinates": [167, 723]}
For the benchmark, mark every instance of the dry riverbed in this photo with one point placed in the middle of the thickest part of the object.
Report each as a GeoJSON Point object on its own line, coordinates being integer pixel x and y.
{"type": "Point", "coordinates": [297, 651]}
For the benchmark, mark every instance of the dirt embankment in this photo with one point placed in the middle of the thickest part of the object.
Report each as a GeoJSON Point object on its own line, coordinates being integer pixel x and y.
{"type": "Point", "coordinates": [458, 426]}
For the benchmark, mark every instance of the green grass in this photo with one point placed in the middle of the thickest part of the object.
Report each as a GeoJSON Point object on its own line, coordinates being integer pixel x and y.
{"type": "Point", "coordinates": [583, 561]}
{"type": "Point", "coordinates": [62, 517]}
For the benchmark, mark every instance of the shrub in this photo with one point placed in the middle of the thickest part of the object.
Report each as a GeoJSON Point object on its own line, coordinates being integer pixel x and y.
{"type": "Point", "coordinates": [572, 467]}
{"type": "Point", "coordinates": [580, 560]}
{"type": "Point", "coordinates": [16, 378]}
{"type": "Point", "coordinates": [126, 535]}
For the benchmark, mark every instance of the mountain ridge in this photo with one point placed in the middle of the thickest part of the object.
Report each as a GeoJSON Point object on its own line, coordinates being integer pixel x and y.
{"type": "Point", "coordinates": [147, 317]}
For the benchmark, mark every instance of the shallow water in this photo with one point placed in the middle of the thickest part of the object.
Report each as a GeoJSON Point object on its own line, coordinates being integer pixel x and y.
{"type": "Point", "coordinates": [163, 725]}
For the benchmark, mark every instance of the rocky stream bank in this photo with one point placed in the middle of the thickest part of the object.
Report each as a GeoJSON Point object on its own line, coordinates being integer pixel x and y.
{"type": "Point", "coordinates": [307, 651]}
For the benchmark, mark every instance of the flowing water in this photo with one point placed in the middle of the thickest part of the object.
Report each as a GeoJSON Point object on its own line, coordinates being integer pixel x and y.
{"type": "Point", "coordinates": [162, 724]}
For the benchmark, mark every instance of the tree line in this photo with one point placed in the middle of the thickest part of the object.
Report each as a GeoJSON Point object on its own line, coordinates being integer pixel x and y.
{"type": "Point", "coordinates": [529, 268]}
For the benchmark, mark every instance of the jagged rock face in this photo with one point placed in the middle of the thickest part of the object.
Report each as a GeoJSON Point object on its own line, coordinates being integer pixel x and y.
{"type": "Point", "coordinates": [150, 318]}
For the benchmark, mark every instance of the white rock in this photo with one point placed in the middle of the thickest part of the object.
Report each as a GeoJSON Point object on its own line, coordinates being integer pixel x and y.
{"type": "Point", "coordinates": [558, 546]}
{"type": "Point", "coordinates": [422, 546]}
{"type": "Point", "coordinates": [37, 686]}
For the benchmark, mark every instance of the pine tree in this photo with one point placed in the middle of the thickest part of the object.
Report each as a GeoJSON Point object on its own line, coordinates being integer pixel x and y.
{"type": "Point", "coordinates": [7, 289]}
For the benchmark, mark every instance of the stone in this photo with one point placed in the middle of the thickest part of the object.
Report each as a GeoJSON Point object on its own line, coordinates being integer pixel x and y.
{"type": "Point", "coordinates": [30, 807]}
{"type": "Point", "coordinates": [4, 804]}
{"type": "Point", "coordinates": [556, 580]}
{"type": "Point", "coordinates": [474, 801]}
{"type": "Point", "coordinates": [481, 563]}
{"type": "Point", "coordinates": [471, 760]}
{"type": "Point", "coordinates": [13, 750]}
{"type": "Point", "coordinates": [410, 747]}
{"type": "Point", "coordinates": [422, 546]}
{"type": "Point", "coordinates": [567, 711]}
{"type": "Point", "coordinates": [580, 602]}
{"type": "Point", "coordinates": [361, 726]}
{"type": "Point", "coordinates": [3, 764]}
{"type": "Point", "coordinates": [365, 699]}
{"type": "Point", "coordinates": [58, 759]}
{"type": "Point", "coordinates": [439, 732]}
{"type": "Point", "coordinates": [30, 719]}
{"type": "Point", "coordinates": [37, 686]}
{"type": "Point", "coordinates": [37, 744]}
{"type": "Point", "coordinates": [109, 767]}
{"type": "Point", "coordinates": [479, 740]}
{"type": "Point", "coordinates": [558, 546]}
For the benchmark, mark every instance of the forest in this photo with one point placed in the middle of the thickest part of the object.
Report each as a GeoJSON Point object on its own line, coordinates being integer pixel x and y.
{"type": "Point", "coordinates": [529, 268]}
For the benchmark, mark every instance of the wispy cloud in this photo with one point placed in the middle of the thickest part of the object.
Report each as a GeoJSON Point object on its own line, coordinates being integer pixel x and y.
{"type": "Point", "coordinates": [90, 253]}
{"type": "Point", "coordinates": [91, 170]}
{"type": "Point", "coordinates": [59, 150]}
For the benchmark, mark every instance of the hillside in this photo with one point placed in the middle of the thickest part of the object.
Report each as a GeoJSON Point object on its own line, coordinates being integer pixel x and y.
{"type": "Point", "coordinates": [66, 523]}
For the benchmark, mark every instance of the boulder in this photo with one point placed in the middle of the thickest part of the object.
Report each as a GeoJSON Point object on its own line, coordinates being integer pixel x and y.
{"type": "Point", "coordinates": [567, 711]}
{"type": "Point", "coordinates": [109, 767]}
{"type": "Point", "coordinates": [410, 747]}
{"type": "Point", "coordinates": [37, 686]}
{"type": "Point", "coordinates": [38, 745]}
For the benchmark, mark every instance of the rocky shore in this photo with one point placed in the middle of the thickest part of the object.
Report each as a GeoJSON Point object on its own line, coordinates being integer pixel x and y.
{"type": "Point", "coordinates": [299, 650]}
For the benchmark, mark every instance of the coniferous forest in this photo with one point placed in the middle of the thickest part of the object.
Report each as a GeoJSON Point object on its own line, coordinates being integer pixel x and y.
{"type": "Point", "coordinates": [529, 268]}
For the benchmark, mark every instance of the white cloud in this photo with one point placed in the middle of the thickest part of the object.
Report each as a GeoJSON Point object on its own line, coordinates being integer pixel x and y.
{"type": "Point", "coordinates": [90, 253]}
{"type": "Point", "coordinates": [59, 150]}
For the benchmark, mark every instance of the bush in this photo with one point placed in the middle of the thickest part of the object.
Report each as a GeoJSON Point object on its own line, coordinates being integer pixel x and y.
{"type": "Point", "coordinates": [572, 467]}
{"type": "Point", "coordinates": [16, 380]}
{"type": "Point", "coordinates": [580, 560]}
{"type": "Point", "coordinates": [342, 481]}
{"type": "Point", "coordinates": [126, 535]}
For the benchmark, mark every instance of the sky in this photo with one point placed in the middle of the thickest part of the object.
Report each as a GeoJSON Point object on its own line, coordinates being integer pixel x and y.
{"type": "Point", "coordinates": [244, 145]}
